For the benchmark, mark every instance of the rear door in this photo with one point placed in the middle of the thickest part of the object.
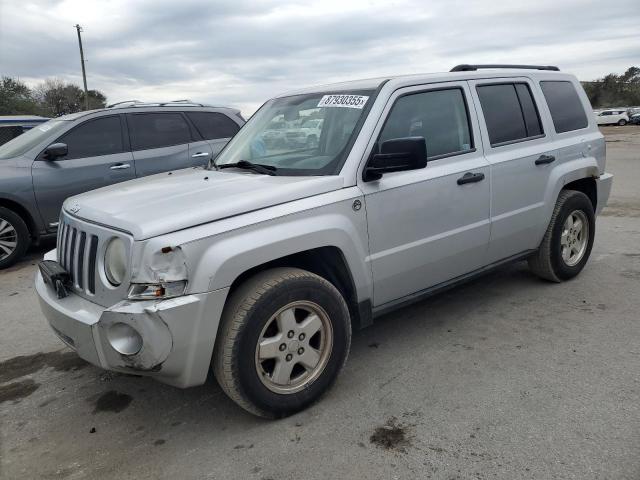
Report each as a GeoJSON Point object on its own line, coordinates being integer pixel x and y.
{"type": "Point", "coordinates": [98, 156]}
{"type": "Point", "coordinates": [216, 128]}
{"type": "Point", "coordinates": [521, 156]}
{"type": "Point", "coordinates": [159, 141]}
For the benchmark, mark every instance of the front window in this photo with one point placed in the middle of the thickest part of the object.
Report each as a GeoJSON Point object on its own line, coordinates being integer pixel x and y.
{"type": "Point", "coordinates": [300, 135]}
{"type": "Point", "coordinates": [25, 142]}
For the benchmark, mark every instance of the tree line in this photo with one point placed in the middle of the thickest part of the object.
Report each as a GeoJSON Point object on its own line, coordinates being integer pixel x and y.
{"type": "Point", "coordinates": [51, 98]}
{"type": "Point", "coordinates": [615, 90]}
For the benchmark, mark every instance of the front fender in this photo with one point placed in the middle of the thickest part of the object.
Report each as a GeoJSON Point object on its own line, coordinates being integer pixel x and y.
{"type": "Point", "coordinates": [216, 254]}
{"type": "Point", "coordinates": [336, 225]}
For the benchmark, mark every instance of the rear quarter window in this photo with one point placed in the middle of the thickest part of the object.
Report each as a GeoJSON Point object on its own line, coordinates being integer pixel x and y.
{"type": "Point", "coordinates": [565, 106]}
{"type": "Point", "coordinates": [213, 125]}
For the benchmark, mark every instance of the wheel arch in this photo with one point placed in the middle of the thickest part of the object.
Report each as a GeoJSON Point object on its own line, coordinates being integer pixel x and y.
{"type": "Point", "coordinates": [20, 210]}
{"type": "Point", "coordinates": [587, 186]}
{"type": "Point", "coordinates": [328, 262]}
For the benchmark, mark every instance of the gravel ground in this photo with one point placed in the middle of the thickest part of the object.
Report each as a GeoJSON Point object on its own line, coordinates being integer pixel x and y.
{"type": "Point", "coordinates": [506, 377]}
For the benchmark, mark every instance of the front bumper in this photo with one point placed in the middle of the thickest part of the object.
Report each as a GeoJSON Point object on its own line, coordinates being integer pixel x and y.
{"type": "Point", "coordinates": [178, 334]}
{"type": "Point", "coordinates": [604, 183]}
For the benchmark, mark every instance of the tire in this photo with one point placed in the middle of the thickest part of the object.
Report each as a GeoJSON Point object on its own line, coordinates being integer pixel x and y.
{"type": "Point", "coordinates": [622, 122]}
{"type": "Point", "coordinates": [549, 262]}
{"type": "Point", "coordinates": [14, 238]}
{"type": "Point", "coordinates": [259, 312]}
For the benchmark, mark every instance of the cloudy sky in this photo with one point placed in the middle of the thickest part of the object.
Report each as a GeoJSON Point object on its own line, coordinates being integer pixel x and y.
{"type": "Point", "coordinates": [243, 52]}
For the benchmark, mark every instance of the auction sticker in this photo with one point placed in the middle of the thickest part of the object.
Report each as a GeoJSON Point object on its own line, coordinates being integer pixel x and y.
{"type": "Point", "coordinates": [347, 101]}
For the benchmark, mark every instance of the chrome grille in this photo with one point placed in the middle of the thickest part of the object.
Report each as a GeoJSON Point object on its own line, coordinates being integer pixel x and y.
{"type": "Point", "coordinates": [81, 249]}
{"type": "Point", "coordinates": [77, 251]}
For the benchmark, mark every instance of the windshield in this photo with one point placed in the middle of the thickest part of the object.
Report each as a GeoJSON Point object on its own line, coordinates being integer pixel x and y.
{"type": "Point", "coordinates": [31, 138]}
{"type": "Point", "coordinates": [300, 135]}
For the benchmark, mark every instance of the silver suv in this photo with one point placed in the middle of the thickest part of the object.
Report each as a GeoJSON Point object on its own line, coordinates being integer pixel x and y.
{"type": "Point", "coordinates": [261, 265]}
{"type": "Point", "coordinates": [84, 151]}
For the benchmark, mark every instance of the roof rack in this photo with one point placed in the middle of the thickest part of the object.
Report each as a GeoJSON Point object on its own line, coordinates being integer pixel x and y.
{"type": "Point", "coordinates": [138, 103]}
{"type": "Point", "coordinates": [468, 68]}
{"type": "Point", "coordinates": [122, 103]}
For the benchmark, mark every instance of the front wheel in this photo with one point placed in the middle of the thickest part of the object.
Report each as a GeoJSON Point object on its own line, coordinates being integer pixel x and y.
{"type": "Point", "coordinates": [285, 336]}
{"type": "Point", "coordinates": [14, 237]}
{"type": "Point", "coordinates": [567, 243]}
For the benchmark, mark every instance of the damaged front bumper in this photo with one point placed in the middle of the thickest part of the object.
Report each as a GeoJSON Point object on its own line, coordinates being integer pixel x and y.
{"type": "Point", "coordinates": [171, 340]}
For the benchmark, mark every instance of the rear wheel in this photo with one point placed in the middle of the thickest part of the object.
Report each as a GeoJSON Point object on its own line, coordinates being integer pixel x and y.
{"type": "Point", "coordinates": [567, 243]}
{"type": "Point", "coordinates": [14, 237]}
{"type": "Point", "coordinates": [284, 337]}
{"type": "Point", "coordinates": [622, 122]}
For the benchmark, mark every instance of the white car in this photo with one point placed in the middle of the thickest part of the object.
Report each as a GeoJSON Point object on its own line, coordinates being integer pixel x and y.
{"type": "Point", "coordinates": [307, 134]}
{"type": "Point", "coordinates": [610, 117]}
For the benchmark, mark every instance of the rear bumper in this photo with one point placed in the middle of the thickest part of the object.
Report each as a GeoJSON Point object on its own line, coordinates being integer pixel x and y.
{"type": "Point", "coordinates": [604, 183]}
{"type": "Point", "coordinates": [178, 334]}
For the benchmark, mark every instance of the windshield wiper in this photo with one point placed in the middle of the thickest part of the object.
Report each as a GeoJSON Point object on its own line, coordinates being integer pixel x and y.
{"type": "Point", "coordinates": [247, 165]}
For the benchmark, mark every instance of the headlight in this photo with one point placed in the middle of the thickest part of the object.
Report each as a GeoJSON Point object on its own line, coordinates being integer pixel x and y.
{"type": "Point", "coordinates": [115, 261]}
{"type": "Point", "coordinates": [150, 291]}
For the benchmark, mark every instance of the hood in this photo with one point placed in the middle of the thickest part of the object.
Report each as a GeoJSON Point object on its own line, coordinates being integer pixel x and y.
{"type": "Point", "coordinates": [168, 202]}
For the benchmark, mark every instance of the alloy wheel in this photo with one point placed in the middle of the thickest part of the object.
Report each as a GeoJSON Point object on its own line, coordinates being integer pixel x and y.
{"type": "Point", "coordinates": [574, 238]}
{"type": "Point", "coordinates": [8, 239]}
{"type": "Point", "coordinates": [294, 347]}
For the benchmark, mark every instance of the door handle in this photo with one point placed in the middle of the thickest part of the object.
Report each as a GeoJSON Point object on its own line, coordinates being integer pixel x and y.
{"type": "Point", "coordinates": [119, 166]}
{"type": "Point", "coordinates": [543, 159]}
{"type": "Point", "coordinates": [470, 178]}
{"type": "Point", "coordinates": [200, 154]}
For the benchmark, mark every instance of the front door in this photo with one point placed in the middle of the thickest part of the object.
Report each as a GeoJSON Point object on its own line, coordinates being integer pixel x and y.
{"type": "Point", "coordinates": [430, 225]}
{"type": "Point", "coordinates": [97, 156]}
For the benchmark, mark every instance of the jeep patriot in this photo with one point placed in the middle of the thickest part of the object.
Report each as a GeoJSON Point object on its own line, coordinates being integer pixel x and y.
{"type": "Point", "coordinates": [261, 264]}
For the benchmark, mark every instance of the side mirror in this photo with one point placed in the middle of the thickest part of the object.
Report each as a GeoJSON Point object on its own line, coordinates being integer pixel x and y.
{"type": "Point", "coordinates": [55, 150]}
{"type": "Point", "coordinates": [396, 155]}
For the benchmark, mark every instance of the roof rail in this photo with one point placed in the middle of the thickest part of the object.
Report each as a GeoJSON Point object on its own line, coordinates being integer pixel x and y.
{"type": "Point", "coordinates": [138, 103]}
{"type": "Point", "coordinates": [123, 102]}
{"type": "Point", "coordinates": [467, 68]}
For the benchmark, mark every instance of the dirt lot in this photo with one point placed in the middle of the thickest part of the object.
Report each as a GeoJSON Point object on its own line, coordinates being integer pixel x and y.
{"type": "Point", "coordinates": [507, 377]}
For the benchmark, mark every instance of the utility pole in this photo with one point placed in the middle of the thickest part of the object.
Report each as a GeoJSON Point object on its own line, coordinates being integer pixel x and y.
{"type": "Point", "coordinates": [84, 74]}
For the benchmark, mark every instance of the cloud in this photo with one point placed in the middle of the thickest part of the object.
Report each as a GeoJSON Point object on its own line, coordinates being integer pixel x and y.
{"type": "Point", "coordinates": [243, 52]}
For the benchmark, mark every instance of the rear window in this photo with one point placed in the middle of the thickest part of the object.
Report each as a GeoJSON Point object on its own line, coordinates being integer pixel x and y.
{"type": "Point", "coordinates": [155, 130]}
{"type": "Point", "coordinates": [565, 106]}
{"type": "Point", "coordinates": [213, 125]}
{"type": "Point", "coordinates": [510, 113]}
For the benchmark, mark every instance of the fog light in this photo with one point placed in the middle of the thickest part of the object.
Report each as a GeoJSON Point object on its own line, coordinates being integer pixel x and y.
{"type": "Point", "coordinates": [124, 339]}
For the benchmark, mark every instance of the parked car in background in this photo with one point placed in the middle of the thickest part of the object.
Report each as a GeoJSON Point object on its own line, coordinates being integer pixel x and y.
{"type": "Point", "coordinates": [13, 125]}
{"type": "Point", "coordinates": [612, 117]}
{"type": "Point", "coordinates": [306, 134]}
{"type": "Point", "coordinates": [635, 119]}
{"type": "Point", "coordinates": [260, 267]}
{"type": "Point", "coordinates": [88, 150]}
{"type": "Point", "coordinates": [274, 134]}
